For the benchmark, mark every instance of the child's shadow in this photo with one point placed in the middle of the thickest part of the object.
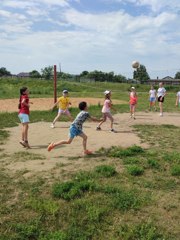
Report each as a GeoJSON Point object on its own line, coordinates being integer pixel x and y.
{"type": "Point", "coordinates": [39, 146]}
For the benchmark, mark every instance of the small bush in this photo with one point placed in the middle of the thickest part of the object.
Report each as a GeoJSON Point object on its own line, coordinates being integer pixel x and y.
{"type": "Point", "coordinates": [71, 190]}
{"type": "Point", "coordinates": [105, 171]}
{"type": "Point", "coordinates": [135, 170]}
{"type": "Point", "coordinates": [175, 170]}
{"type": "Point", "coordinates": [54, 236]}
{"type": "Point", "coordinates": [153, 163]}
{"type": "Point", "coordinates": [143, 231]}
{"type": "Point", "coordinates": [131, 151]}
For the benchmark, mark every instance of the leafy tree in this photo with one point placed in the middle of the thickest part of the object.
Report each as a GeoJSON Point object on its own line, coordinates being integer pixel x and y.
{"type": "Point", "coordinates": [35, 74]}
{"type": "Point", "coordinates": [4, 72]}
{"type": "Point", "coordinates": [47, 72]}
{"type": "Point", "coordinates": [177, 75]}
{"type": "Point", "coordinates": [141, 74]}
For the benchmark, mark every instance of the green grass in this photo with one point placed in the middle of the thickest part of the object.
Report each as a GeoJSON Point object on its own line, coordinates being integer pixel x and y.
{"type": "Point", "coordinates": [130, 193]}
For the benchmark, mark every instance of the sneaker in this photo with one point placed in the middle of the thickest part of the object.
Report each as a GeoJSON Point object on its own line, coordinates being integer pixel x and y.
{"type": "Point", "coordinates": [50, 147]}
{"type": "Point", "coordinates": [87, 152]}
{"type": "Point", "coordinates": [52, 125]}
{"type": "Point", "coordinates": [112, 130]}
{"type": "Point", "coordinates": [161, 115]}
{"type": "Point", "coordinates": [98, 129]}
{"type": "Point", "coordinates": [22, 142]}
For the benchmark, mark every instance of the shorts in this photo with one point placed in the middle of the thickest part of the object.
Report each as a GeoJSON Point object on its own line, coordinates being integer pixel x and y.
{"type": "Point", "coordinates": [107, 115]}
{"type": "Point", "coordinates": [152, 99]}
{"type": "Point", "coordinates": [74, 132]}
{"type": "Point", "coordinates": [24, 118]}
{"type": "Point", "coordinates": [160, 99]}
{"type": "Point", "coordinates": [65, 112]}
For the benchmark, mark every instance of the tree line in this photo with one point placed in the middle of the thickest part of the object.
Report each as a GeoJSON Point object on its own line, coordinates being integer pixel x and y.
{"type": "Point", "coordinates": [140, 74]}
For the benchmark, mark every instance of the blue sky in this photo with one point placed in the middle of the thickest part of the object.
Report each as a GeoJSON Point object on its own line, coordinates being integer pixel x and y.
{"type": "Point", "coordinates": [90, 35]}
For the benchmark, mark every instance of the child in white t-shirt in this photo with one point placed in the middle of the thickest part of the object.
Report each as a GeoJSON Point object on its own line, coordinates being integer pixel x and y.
{"type": "Point", "coordinates": [178, 99]}
{"type": "Point", "coordinates": [152, 98]}
{"type": "Point", "coordinates": [161, 92]}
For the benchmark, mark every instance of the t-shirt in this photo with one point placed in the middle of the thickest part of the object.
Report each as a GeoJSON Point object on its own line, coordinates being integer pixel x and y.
{"type": "Point", "coordinates": [133, 98]}
{"type": "Point", "coordinates": [106, 107]}
{"type": "Point", "coordinates": [24, 108]}
{"type": "Point", "coordinates": [80, 119]}
{"type": "Point", "coordinates": [178, 95]}
{"type": "Point", "coordinates": [152, 93]}
{"type": "Point", "coordinates": [161, 91]}
{"type": "Point", "coordinates": [63, 102]}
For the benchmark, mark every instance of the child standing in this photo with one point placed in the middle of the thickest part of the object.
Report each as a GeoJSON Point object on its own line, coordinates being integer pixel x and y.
{"type": "Point", "coordinates": [133, 102]}
{"type": "Point", "coordinates": [63, 102]}
{"type": "Point", "coordinates": [160, 95]}
{"type": "Point", "coordinates": [76, 129]}
{"type": "Point", "coordinates": [178, 99]}
{"type": "Point", "coordinates": [106, 111]}
{"type": "Point", "coordinates": [24, 115]}
{"type": "Point", "coordinates": [152, 98]}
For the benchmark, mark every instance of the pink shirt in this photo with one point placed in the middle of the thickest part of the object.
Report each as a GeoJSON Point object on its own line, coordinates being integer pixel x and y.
{"type": "Point", "coordinates": [106, 107]}
{"type": "Point", "coordinates": [133, 98]}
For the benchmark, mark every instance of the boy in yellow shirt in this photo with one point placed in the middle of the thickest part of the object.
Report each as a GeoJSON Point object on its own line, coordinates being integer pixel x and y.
{"type": "Point", "coordinates": [63, 104]}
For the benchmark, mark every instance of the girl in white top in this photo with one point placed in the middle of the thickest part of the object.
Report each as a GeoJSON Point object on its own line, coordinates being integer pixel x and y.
{"type": "Point", "coordinates": [178, 99]}
{"type": "Point", "coordinates": [160, 95]}
{"type": "Point", "coordinates": [106, 110]}
{"type": "Point", "coordinates": [152, 98]}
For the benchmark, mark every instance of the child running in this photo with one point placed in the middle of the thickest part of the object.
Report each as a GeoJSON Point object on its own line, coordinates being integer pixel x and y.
{"type": "Point", "coordinates": [24, 115]}
{"type": "Point", "coordinates": [133, 102]}
{"type": "Point", "coordinates": [106, 111]}
{"type": "Point", "coordinates": [63, 102]}
{"type": "Point", "coordinates": [76, 129]}
{"type": "Point", "coordinates": [152, 98]}
{"type": "Point", "coordinates": [178, 99]}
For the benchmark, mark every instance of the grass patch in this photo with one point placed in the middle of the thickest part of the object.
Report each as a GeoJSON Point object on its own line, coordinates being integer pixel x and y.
{"type": "Point", "coordinates": [175, 170]}
{"type": "Point", "coordinates": [135, 170]}
{"type": "Point", "coordinates": [3, 136]}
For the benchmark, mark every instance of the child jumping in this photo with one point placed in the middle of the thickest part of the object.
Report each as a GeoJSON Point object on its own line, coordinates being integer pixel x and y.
{"type": "Point", "coordinates": [24, 115]}
{"type": "Point", "coordinates": [76, 129]}
{"type": "Point", "coordinates": [106, 111]}
{"type": "Point", "coordinates": [133, 102]}
{"type": "Point", "coordinates": [63, 102]}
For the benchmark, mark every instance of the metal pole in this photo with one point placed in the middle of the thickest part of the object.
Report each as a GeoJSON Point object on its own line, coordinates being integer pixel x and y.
{"type": "Point", "coordinates": [55, 84]}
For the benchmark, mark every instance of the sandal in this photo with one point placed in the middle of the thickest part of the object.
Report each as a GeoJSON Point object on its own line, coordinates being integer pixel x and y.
{"type": "Point", "coordinates": [23, 143]}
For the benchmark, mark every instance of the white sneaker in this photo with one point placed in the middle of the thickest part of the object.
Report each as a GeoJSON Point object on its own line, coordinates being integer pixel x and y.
{"type": "Point", "coordinates": [52, 125]}
{"type": "Point", "coordinates": [161, 115]}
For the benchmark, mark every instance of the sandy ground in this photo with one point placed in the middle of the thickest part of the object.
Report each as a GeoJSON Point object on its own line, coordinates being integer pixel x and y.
{"type": "Point", "coordinates": [40, 135]}
{"type": "Point", "coordinates": [11, 105]}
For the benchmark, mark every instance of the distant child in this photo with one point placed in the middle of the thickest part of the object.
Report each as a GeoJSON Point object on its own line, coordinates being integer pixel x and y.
{"type": "Point", "coordinates": [161, 92]}
{"type": "Point", "coordinates": [76, 129]}
{"type": "Point", "coordinates": [152, 98]}
{"type": "Point", "coordinates": [178, 99]}
{"type": "Point", "coordinates": [106, 111]}
{"type": "Point", "coordinates": [63, 103]}
{"type": "Point", "coordinates": [24, 115]}
{"type": "Point", "coordinates": [133, 102]}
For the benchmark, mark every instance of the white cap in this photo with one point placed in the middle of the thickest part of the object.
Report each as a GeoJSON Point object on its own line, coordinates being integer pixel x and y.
{"type": "Point", "coordinates": [132, 87]}
{"type": "Point", "coordinates": [107, 92]}
{"type": "Point", "coordinates": [65, 91]}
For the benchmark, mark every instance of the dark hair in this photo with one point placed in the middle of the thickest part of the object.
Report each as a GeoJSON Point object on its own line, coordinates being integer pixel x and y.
{"type": "Point", "coordinates": [82, 105]}
{"type": "Point", "coordinates": [22, 90]}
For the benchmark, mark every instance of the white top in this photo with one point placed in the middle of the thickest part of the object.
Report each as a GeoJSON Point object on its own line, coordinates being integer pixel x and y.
{"type": "Point", "coordinates": [161, 92]}
{"type": "Point", "coordinates": [178, 95]}
{"type": "Point", "coordinates": [152, 93]}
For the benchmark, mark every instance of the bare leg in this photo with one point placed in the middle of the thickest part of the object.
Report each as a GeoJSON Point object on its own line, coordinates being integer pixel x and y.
{"type": "Point", "coordinates": [69, 141]}
{"type": "Point", "coordinates": [161, 108]}
{"type": "Point", "coordinates": [104, 119]}
{"type": "Point", "coordinates": [56, 118]}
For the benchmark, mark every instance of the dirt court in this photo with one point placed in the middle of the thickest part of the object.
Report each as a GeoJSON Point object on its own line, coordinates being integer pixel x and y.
{"type": "Point", "coordinates": [40, 135]}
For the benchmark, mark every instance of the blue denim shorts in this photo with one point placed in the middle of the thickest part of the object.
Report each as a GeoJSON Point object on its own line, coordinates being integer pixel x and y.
{"type": "Point", "coordinates": [74, 132]}
{"type": "Point", "coordinates": [24, 118]}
